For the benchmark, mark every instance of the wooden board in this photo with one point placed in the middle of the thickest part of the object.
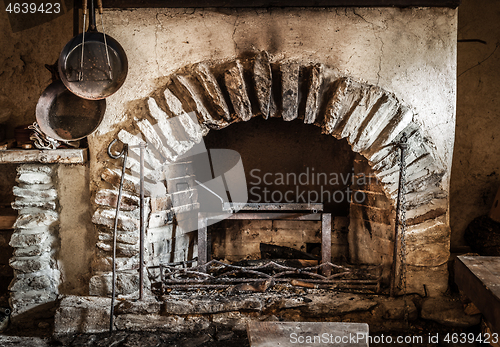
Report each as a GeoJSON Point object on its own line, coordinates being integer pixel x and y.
{"type": "Point", "coordinates": [46, 156]}
{"type": "Point", "coordinates": [7, 222]}
{"type": "Point", "coordinates": [479, 278]}
{"type": "Point", "coordinates": [305, 334]}
{"type": "Point", "coordinates": [279, 3]}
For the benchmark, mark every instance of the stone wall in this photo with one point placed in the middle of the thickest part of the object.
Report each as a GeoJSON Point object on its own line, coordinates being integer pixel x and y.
{"type": "Point", "coordinates": [410, 52]}
{"type": "Point", "coordinates": [35, 239]}
{"type": "Point", "coordinates": [476, 160]}
{"type": "Point", "coordinates": [24, 53]}
{"type": "Point", "coordinates": [370, 118]}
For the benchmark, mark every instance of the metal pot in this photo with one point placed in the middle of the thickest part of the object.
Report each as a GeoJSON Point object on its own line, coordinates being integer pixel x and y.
{"type": "Point", "coordinates": [64, 116]}
{"type": "Point", "coordinates": [93, 65]}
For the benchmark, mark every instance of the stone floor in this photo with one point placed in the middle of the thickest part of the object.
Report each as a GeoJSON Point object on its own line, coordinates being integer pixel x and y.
{"type": "Point", "coordinates": [429, 317]}
{"type": "Point", "coordinates": [18, 336]}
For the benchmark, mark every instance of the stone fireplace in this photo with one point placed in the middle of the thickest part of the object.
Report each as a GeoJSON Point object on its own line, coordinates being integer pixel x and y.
{"type": "Point", "coordinates": [371, 119]}
{"type": "Point", "coordinates": [352, 80]}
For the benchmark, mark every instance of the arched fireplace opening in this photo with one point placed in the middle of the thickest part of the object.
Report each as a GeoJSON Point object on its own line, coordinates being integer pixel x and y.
{"type": "Point", "coordinates": [227, 95]}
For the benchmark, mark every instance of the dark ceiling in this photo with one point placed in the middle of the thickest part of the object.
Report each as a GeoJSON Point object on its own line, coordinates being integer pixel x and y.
{"type": "Point", "coordinates": [279, 3]}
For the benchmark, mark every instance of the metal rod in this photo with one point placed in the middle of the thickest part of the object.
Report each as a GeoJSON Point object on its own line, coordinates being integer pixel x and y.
{"type": "Point", "coordinates": [141, 238]}
{"type": "Point", "coordinates": [84, 9]}
{"type": "Point", "coordinates": [326, 242]}
{"type": "Point", "coordinates": [123, 153]}
{"type": "Point", "coordinates": [211, 191]}
{"type": "Point", "coordinates": [99, 5]}
{"type": "Point", "coordinates": [402, 145]}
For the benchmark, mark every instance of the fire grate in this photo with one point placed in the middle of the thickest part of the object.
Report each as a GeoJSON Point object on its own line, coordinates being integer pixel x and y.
{"type": "Point", "coordinates": [219, 275]}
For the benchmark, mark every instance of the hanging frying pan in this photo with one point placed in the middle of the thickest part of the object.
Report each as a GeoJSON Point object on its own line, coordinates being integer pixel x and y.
{"type": "Point", "coordinates": [93, 65]}
{"type": "Point", "coordinates": [66, 117]}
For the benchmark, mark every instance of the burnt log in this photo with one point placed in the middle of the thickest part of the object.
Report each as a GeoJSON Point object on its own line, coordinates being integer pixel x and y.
{"type": "Point", "coordinates": [268, 251]}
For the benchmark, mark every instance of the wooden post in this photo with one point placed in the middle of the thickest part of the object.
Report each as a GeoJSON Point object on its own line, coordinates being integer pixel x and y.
{"type": "Point", "coordinates": [202, 240]}
{"type": "Point", "coordinates": [326, 242]}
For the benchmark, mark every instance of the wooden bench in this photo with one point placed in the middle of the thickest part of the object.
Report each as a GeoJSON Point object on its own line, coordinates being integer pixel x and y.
{"type": "Point", "coordinates": [289, 334]}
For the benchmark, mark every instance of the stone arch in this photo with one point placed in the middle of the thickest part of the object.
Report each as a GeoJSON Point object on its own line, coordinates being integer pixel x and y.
{"type": "Point", "coordinates": [220, 94]}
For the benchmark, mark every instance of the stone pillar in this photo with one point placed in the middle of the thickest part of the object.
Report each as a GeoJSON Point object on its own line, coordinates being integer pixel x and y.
{"type": "Point", "coordinates": [36, 275]}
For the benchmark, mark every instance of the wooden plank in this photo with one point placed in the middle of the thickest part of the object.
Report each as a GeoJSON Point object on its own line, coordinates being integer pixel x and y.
{"type": "Point", "coordinates": [202, 240]}
{"type": "Point", "coordinates": [261, 207]}
{"type": "Point", "coordinates": [7, 222]}
{"type": "Point", "coordinates": [263, 216]}
{"type": "Point", "coordinates": [307, 334]}
{"type": "Point", "coordinates": [479, 278]}
{"type": "Point", "coordinates": [276, 216]}
{"type": "Point", "coordinates": [46, 156]}
{"type": "Point", "coordinates": [326, 242]}
{"type": "Point", "coordinates": [279, 3]}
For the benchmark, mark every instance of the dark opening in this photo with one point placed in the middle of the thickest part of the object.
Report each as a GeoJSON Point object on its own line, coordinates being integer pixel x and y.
{"type": "Point", "coordinates": [290, 162]}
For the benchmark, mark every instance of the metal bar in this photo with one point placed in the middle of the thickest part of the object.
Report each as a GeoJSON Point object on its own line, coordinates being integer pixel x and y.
{"type": "Point", "coordinates": [326, 242]}
{"type": "Point", "coordinates": [162, 278]}
{"type": "Point", "coordinates": [392, 288]}
{"type": "Point", "coordinates": [141, 216]}
{"type": "Point", "coordinates": [202, 240]}
{"type": "Point", "coordinates": [260, 207]}
{"type": "Point", "coordinates": [123, 153]}
{"type": "Point", "coordinates": [267, 215]}
{"type": "Point", "coordinates": [279, 3]}
{"type": "Point", "coordinates": [284, 279]}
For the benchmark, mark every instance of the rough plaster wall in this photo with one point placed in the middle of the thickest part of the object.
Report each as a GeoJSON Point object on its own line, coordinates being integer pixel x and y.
{"type": "Point", "coordinates": [411, 52]}
{"type": "Point", "coordinates": [476, 162]}
{"type": "Point", "coordinates": [23, 56]}
{"type": "Point", "coordinates": [76, 231]}
{"type": "Point", "coordinates": [7, 181]}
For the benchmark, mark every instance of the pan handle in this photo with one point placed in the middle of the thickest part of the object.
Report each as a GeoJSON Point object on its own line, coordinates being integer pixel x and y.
{"type": "Point", "coordinates": [85, 11]}
{"type": "Point", "coordinates": [99, 6]}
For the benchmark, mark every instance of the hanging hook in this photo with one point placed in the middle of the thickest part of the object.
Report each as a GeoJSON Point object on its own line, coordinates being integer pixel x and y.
{"type": "Point", "coordinates": [403, 142]}
{"type": "Point", "coordinates": [125, 148]}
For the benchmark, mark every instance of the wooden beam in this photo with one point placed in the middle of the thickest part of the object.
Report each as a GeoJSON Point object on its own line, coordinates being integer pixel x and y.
{"type": "Point", "coordinates": [478, 278]}
{"type": "Point", "coordinates": [278, 3]}
{"type": "Point", "coordinates": [7, 222]}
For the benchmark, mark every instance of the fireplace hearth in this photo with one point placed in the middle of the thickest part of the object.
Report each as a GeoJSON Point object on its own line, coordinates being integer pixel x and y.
{"type": "Point", "coordinates": [291, 94]}
{"type": "Point", "coordinates": [371, 119]}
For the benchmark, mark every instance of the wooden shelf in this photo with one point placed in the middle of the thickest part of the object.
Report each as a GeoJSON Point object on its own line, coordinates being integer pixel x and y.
{"type": "Point", "coordinates": [45, 156]}
{"type": "Point", "coordinates": [7, 218]}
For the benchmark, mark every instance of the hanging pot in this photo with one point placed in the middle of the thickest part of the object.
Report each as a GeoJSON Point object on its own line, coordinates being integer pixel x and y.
{"type": "Point", "coordinates": [93, 65]}
{"type": "Point", "coordinates": [64, 116]}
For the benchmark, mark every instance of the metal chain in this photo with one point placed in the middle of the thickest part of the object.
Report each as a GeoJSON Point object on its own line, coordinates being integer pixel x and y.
{"type": "Point", "coordinates": [402, 219]}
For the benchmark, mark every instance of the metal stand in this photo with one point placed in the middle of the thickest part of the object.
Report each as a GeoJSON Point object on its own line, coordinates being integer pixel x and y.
{"type": "Point", "coordinates": [271, 212]}
{"type": "Point", "coordinates": [123, 153]}
{"type": "Point", "coordinates": [400, 218]}
{"type": "Point", "coordinates": [142, 146]}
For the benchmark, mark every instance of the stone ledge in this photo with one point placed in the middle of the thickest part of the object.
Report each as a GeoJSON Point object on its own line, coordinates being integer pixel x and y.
{"type": "Point", "coordinates": [46, 156]}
